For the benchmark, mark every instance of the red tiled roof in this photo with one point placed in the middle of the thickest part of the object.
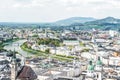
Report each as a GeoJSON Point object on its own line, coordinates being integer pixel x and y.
{"type": "Point", "coordinates": [27, 73]}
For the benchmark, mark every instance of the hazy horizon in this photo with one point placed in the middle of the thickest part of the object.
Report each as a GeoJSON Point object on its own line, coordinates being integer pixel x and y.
{"type": "Point", "coordinates": [54, 10]}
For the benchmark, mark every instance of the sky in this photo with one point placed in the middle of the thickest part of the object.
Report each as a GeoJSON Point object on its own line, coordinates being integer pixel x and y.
{"type": "Point", "coordinates": [53, 10]}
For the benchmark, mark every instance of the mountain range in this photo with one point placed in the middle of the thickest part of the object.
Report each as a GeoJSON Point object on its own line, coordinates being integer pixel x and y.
{"type": "Point", "coordinates": [79, 22]}
{"type": "Point", "coordinates": [106, 23]}
{"type": "Point", "coordinates": [74, 20]}
{"type": "Point", "coordinates": [89, 22]}
{"type": "Point", "coordinates": [110, 20]}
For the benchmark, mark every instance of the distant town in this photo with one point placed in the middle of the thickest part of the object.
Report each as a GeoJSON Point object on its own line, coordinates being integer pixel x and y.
{"type": "Point", "coordinates": [59, 54]}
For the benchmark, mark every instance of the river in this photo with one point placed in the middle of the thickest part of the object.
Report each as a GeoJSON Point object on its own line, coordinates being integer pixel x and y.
{"type": "Point", "coordinates": [16, 46]}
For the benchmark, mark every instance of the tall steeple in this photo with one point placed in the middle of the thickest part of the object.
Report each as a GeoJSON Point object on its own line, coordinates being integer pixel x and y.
{"type": "Point", "coordinates": [13, 67]}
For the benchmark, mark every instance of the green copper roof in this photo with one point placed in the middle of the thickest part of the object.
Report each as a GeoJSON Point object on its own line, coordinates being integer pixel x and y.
{"type": "Point", "coordinates": [99, 62]}
{"type": "Point", "coordinates": [91, 67]}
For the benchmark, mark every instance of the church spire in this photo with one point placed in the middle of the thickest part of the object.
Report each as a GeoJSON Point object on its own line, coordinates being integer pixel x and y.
{"type": "Point", "coordinates": [13, 66]}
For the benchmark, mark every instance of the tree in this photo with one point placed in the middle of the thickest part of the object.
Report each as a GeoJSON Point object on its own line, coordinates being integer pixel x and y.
{"type": "Point", "coordinates": [47, 50]}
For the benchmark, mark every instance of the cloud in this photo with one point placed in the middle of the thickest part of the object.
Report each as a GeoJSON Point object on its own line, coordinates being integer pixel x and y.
{"type": "Point", "coordinates": [26, 4]}
{"type": "Point", "coordinates": [51, 10]}
{"type": "Point", "coordinates": [62, 3]}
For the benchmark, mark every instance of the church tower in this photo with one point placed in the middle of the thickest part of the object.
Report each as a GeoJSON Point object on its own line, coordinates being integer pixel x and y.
{"type": "Point", "coordinates": [90, 69]}
{"type": "Point", "coordinates": [13, 67]}
{"type": "Point", "coordinates": [99, 64]}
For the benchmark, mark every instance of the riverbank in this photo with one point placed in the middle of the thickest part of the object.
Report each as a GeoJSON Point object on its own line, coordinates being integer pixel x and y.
{"type": "Point", "coordinates": [45, 54]}
{"type": "Point", "coordinates": [32, 51]}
